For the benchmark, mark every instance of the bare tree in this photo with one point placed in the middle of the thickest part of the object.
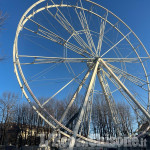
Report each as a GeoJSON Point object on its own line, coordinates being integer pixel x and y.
{"type": "Point", "coordinates": [102, 121]}
{"type": "Point", "coordinates": [7, 106]}
{"type": "Point", "coordinates": [126, 118]}
{"type": "Point", "coordinates": [7, 112]}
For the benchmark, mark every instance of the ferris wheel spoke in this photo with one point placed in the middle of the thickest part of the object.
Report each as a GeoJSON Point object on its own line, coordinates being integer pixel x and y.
{"type": "Point", "coordinates": [134, 100]}
{"type": "Point", "coordinates": [120, 89]}
{"type": "Point", "coordinates": [45, 60]}
{"type": "Point", "coordinates": [76, 129]}
{"type": "Point", "coordinates": [137, 81]}
{"type": "Point", "coordinates": [109, 99]}
{"type": "Point", "coordinates": [101, 34]}
{"type": "Point", "coordinates": [62, 42]}
{"type": "Point", "coordinates": [126, 60]}
{"type": "Point", "coordinates": [61, 19]}
{"type": "Point", "coordinates": [112, 27]}
{"type": "Point", "coordinates": [85, 26]}
{"type": "Point", "coordinates": [74, 96]}
{"type": "Point", "coordinates": [62, 88]}
{"type": "Point", "coordinates": [46, 33]}
{"type": "Point", "coordinates": [124, 37]}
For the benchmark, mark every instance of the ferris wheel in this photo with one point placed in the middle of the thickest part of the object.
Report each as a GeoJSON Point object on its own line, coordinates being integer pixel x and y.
{"type": "Point", "coordinates": [81, 51]}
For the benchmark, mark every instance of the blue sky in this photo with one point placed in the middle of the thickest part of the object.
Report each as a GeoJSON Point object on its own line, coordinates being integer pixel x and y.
{"type": "Point", "coordinates": [135, 13]}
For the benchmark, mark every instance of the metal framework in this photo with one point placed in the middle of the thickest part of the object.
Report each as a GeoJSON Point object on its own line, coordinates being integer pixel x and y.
{"type": "Point", "coordinates": [81, 43]}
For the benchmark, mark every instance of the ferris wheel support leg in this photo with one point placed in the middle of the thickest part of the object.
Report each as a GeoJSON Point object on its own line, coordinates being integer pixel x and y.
{"type": "Point", "coordinates": [75, 132]}
{"type": "Point", "coordinates": [74, 96]}
{"type": "Point", "coordinates": [109, 100]}
{"type": "Point", "coordinates": [125, 89]}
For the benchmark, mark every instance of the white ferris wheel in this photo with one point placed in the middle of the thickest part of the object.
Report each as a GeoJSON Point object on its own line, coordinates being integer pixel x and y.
{"type": "Point", "coordinates": [81, 51]}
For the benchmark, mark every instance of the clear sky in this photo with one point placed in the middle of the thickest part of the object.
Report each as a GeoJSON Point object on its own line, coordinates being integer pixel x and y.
{"type": "Point", "coordinates": [135, 13]}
